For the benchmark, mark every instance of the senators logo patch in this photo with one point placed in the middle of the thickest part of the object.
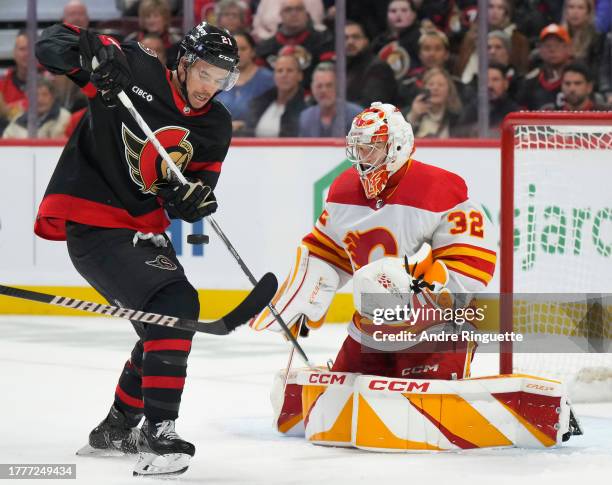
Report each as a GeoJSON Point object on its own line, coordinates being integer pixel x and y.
{"type": "Point", "coordinates": [162, 262]}
{"type": "Point", "coordinates": [147, 167]}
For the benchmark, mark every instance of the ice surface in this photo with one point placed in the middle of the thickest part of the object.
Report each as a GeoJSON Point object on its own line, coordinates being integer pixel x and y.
{"type": "Point", "coordinates": [59, 373]}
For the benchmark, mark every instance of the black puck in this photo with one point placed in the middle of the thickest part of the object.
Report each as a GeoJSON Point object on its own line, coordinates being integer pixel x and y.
{"type": "Point", "coordinates": [197, 239]}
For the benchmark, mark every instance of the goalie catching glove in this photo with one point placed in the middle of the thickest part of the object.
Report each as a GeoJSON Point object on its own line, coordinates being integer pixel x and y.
{"type": "Point", "coordinates": [415, 282]}
{"type": "Point", "coordinates": [308, 291]}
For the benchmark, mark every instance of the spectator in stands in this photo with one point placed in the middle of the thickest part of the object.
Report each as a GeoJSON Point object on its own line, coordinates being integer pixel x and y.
{"type": "Point", "coordinates": [321, 120]}
{"type": "Point", "coordinates": [542, 85]}
{"type": "Point", "coordinates": [13, 84]}
{"type": "Point", "coordinates": [52, 118]}
{"type": "Point", "coordinates": [462, 21]}
{"type": "Point", "coordinates": [295, 31]}
{"type": "Point", "coordinates": [75, 13]}
{"type": "Point", "coordinates": [154, 42]}
{"type": "Point", "coordinates": [372, 16]}
{"type": "Point", "coordinates": [435, 112]}
{"type": "Point", "coordinates": [4, 115]}
{"type": "Point", "coordinates": [232, 15]}
{"type": "Point", "coordinates": [580, 24]}
{"type": "Point", "coordinates": [368, 78]}
{"type": "Point", "coordinates": [67, 92]}
{"type": "Point", "coordinates": [500, 18]}
{"type": "Point", "coordinates": [254, 80]}
{"type": "Point", "coordinates": [434, 51]}
{"type": "Point", "coordinates": [269, 15]}
{"type": "Point", "coordinates": [398, 45]}
{"type": "Point", "coordinates": [129, 8]}
{"type": "Point", "coordinates": [500, 103]}
{"type": "Point", "coordinates": [605, 70]}
{"type": "Point", "coordinates": [277, 111]}
{"type": "Point", "coordinates": [499, 48]}
{"type": "Point", "coordinates": [154, 17]}
{"type": "Point", "coordinates": [576, 90]}
{"type": "Point", "coordinates": [531, 16]}
{"type": "Point", "coordinates": [438, 12]}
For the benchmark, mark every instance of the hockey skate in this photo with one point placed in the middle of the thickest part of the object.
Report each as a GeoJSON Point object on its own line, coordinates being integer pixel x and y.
{"type": "Point", "coordinates": [162, 451]}
{"type": "Point", "coordinates": [116, 435]}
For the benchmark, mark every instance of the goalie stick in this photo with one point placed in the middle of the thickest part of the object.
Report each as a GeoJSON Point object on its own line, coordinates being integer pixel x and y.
{"type": "Point", "coordinates": [254, 303]}
{"type": "Point", "coordinates": [127, 103]}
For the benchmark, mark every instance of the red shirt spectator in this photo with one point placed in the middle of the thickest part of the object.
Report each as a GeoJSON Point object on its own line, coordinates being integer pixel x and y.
{"type": "Point", "coordinates": [13, 84]}
{"type": "Point", "coordinates": [542, 85]}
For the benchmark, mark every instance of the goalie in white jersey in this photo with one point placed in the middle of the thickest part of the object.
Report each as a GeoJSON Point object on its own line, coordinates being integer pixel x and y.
{"type": "Point", "coordinates": [386, 207]}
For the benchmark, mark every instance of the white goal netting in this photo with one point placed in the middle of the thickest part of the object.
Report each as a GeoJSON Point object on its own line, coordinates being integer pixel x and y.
{"type": "Point", "coordinates": [562, 265]}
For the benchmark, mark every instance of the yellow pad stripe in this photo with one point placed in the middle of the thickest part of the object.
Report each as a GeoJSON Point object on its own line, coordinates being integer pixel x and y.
{"type": "Point", "coordinates": [458, 416]}
{"type": "Point", "coordinates": [290, 423]}
{"type": "Point", "coordinates": [372, 432]}
{"type": "Point", "coordinates": [341, 430]}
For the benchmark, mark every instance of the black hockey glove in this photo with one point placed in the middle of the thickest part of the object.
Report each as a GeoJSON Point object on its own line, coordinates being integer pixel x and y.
{"type": "Point", "coordinates": [190, 202]}
{"type": "Point", "coordinates": [112, 73]}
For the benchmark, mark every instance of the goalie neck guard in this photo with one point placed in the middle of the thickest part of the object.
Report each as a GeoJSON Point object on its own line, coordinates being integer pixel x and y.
{"type": "Point", "coordinates": [379, 143]}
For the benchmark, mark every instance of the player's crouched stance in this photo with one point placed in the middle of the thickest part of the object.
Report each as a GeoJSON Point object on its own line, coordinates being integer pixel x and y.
{"type": "Point", "coordinates": [410, 238]}
{"type": "Point", "coordinates": [111, 197]}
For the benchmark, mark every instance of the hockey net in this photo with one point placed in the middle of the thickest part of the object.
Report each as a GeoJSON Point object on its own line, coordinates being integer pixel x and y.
{"type": "Point", "coordinates": [556, 248]}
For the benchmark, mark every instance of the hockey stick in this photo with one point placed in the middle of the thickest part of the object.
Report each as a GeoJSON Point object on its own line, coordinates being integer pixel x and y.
{"type": "Point", "coordinates": [300, 322]}
{"type": "Point", "coordinates": [127, 103]}
{"type": "Point", "coordinates": [254, 303]}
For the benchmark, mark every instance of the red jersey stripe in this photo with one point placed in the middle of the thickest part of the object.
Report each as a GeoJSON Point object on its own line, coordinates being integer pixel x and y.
{"type": "Point", "coordinates": [199, 166]}
{"type": "Point", "coordinates": [56, 209]}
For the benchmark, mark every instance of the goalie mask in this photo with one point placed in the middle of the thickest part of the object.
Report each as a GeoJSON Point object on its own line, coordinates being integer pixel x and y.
{"type": "Point", "coordinates": [379, 143]}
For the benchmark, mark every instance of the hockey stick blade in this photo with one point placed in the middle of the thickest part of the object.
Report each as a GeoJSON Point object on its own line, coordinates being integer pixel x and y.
{"type": "Point", "coordinates": [254, 303]}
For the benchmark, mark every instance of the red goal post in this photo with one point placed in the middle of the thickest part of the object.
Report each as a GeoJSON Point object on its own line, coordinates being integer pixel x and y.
{"type": "Point", "coordinates": [520, 131]}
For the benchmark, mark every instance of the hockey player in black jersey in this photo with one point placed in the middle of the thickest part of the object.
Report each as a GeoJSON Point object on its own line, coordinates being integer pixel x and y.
{"type": "Point", "coordinates": [110, 198]}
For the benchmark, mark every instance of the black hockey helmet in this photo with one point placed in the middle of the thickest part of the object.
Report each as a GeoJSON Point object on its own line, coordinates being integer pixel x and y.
{"type": "Point", "coordinates": [213, 45]}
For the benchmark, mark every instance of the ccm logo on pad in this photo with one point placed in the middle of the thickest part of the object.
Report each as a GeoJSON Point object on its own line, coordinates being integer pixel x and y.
{"type": "Point", "coordinates": [540, 387]}
{"type": "Point", "coordinates": [398, 386]}
{"type": "Point", "coordinates": [326, 379]}
{"type": "Point", "coordinates": [142, 93]}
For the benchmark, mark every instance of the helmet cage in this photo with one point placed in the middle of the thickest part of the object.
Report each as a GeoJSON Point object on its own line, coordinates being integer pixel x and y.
{"type": "Point", "coordinates": [360, 150]}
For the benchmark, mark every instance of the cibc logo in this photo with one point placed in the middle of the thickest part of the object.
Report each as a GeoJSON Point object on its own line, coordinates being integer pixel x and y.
{"type": "Point", "coordinates": [142, 93]}
{"type": "Point", "coordinates": [326, 379]}
{"type": "Point", "coordinates": [398, 386]}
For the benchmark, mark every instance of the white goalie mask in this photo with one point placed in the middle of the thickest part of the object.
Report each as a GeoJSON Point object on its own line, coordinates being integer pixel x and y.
{"type": "Point", "coordinates": [379, 143]}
